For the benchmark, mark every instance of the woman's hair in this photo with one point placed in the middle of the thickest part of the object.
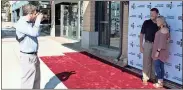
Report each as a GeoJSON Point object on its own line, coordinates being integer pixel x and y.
{"type": "Point", "coordinates": [165, 24]}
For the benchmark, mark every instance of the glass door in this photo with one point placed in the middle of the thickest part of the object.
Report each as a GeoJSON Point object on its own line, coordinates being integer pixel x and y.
{"type": "Point", "coordinates": [108, 19]}
{"type": "Point", "coordinates": [64, 20]}
{"type": "Point", "coordinates": [104, 23]}
{"type": "Point", "coordinates": [73, 21]}
{"type": "Point", "coordinates": [69, 20]}
{"type": "Point", "coordinates": [115, 24]}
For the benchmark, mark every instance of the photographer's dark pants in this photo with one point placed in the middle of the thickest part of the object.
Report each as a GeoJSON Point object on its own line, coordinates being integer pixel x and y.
{"type": "Point", "coordinates": [30, 65]}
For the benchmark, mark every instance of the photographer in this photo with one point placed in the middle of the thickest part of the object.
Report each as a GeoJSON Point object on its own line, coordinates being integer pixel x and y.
{"type": "Point", "coordinates": [27, 33]}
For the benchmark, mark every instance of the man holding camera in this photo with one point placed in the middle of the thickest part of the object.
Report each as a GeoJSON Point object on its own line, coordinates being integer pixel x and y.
{"type": "Point", "coordinates": [27, 31]}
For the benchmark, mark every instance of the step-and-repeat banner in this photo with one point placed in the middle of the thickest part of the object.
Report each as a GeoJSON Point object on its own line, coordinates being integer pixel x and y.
{"type": "Point", "coordinates": [139, 11]}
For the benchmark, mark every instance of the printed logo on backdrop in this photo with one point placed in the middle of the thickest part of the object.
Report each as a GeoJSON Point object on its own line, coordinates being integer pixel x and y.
{"type": "Point", "coordinates": [133, 35]}
{"type": "Point", "coordinates": [139, 65]}
{"type": "Point", "coordinates": [171, 41]}
{"type": "Point", "coordinates": [131, 62]}
{"type": "Point", "coordinates": [170, 17]}
{"type": "Point", "coordinates": [133, 16]}
{"type": "Point", "coordinates": [133, 25]}
{"type": "Point", "coordinates": [180, 18]}
{"type": "Point", "coordinates": [180, 5]}
{"type": "Point", "coordinates": [139, 26]}
{"type": "Point", "coordinates": [132, 44]}
{"type": "Point", "coordinates": [139, 56]}
{"type": "Point", "coordinates": [133, 6]}
{"type": "Point", "coordinates": [131, 53]}
{"type": "Point", "coordinates": [178, 67]}
{"type": "Point", "coordinates": [140, 16]}
{"type": "Point", "coordinates": [179, 43]}
{"type": "Point", "coordinates": [166, 75]}
{"type": "Point", "coordinates": [177, 78]}
{"type": "Point", "coordinates": [169, 27]}
{"type": "Point", "coordinates": [168, 64]}
{"type": "Point", "coordinates": [141, 6]}
{"type": "Point", "coordinates": [170, 5]}
{"type": "Point", "coordinates": [178, 55]}
{"type": "Point", "coordinates": [147, 17]}
{"type": "Point", "coordinates": [139, 36]}
{"type": "Point", "coordinates": [178, 30]}
{"type": "Point", "coordinates": [159, 5]}
{"type": "Point", "coordinates": [149, 6]}
{"type": "Point", "coordinates": [138, 46]}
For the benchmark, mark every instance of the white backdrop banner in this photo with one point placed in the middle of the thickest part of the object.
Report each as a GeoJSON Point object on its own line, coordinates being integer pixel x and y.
{"type": "Point", "coordinates": [139, 11]}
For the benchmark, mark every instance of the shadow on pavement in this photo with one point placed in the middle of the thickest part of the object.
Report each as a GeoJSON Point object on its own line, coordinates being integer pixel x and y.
{"type": "Point", "coordinates": [75, 46]}
{"type": "Point", "coordinates": [54, 81]}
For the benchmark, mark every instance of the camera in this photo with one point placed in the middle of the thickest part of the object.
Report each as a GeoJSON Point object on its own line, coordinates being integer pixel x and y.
{"type": "Point", "coordinates": [45, 16]}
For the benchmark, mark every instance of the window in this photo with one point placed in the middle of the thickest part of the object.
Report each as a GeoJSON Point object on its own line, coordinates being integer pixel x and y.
{"type": "Point", "coordinates": [107, 22]}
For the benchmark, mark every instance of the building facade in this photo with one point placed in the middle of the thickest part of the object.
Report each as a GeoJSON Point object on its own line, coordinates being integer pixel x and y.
{"type": "Point", "coordinates": [99, 25]}
{"type": "Point", "coordinates": [67, 19]}
{"type": "Point", "coordinates": [105, 28]}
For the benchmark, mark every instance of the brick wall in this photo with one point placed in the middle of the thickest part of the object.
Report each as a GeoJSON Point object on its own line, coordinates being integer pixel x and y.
{"type": "Point", "coordinates": [125, 32]}
{"type": "Point", "coordinates": [89, 16]}
{"type": "Point", "coordinates": [89, 23]}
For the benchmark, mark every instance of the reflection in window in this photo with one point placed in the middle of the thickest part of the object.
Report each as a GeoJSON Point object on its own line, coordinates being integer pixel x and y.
{"type": "Point", "coordinates": [108, 23]}
{"type": "Point", "coordinates": [81, 17]}
{"type": "Point", "coordinates": [70, 21]}
{"type": "Point", "coordinates": [115, 24]}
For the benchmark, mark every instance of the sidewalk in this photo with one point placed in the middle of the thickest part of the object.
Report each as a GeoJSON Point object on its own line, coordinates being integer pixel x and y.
{"type": "Point", "coordinates": [11, 71]}
{"type": "Point", "coordinates": [7, 24]}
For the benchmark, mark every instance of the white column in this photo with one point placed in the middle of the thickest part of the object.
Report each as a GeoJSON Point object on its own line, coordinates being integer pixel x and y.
{"type": "Point", "coordinates": [52, 31]}
{"type": "Point", "coordinates": [61, 19]}
{"type": "Point", "coordinates": [79, 19]}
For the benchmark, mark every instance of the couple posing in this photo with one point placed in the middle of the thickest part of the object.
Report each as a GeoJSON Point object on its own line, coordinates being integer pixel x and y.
{"type": "Point", "coordinates": [155, 48]}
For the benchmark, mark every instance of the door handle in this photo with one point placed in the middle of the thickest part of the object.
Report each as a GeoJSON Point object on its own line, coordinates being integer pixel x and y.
{"type": "Point", "coordinates": [104, 22]}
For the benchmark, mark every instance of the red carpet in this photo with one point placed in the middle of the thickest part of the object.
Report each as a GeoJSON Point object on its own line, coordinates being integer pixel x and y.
{"type": "Point", "coordinates": [90, 73]}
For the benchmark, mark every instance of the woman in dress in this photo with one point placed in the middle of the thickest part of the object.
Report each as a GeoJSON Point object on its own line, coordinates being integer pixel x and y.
{"type": "Point", "coordinates": [160, 51]}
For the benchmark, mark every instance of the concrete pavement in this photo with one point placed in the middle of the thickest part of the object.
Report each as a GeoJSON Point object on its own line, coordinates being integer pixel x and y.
{"type": "Point", "coordinates": [11, 71]}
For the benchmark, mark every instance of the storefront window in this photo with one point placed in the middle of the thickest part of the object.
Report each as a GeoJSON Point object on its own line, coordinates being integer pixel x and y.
{"type": "Point", "coordinates": [70, 20]}
{"type": "Point", "coordinates": [104, 24]}
{"type": "Point", "coordinates": [57, 14]}
{"type": "Point", "coordinates": [81, 16]}
{"type": "Point", "coordinates": [108, 23]}
{"type": "Point", "coordinates": [115, 24]}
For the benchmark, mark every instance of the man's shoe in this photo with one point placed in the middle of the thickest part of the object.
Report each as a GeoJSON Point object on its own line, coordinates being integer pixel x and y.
{"type": "Point", "coordinates": [158, 85]}
{"type": "Point", "coordinates": [145, 82]}
{"type": "Point", "coordinates": [154, 80]}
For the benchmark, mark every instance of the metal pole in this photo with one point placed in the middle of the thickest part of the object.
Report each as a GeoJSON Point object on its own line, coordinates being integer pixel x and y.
{"type": "Point", "coordinates": [121, 29]}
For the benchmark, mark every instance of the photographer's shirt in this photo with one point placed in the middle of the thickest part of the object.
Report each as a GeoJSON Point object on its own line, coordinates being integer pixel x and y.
{"type": "Point", "coordinates": [30, 42]}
